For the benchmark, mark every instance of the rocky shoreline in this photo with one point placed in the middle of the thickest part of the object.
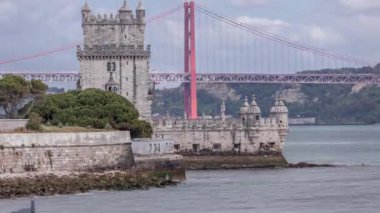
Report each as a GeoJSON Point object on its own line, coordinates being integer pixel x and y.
{"type": "Point", "coordinates": [51, 184]}
{"type": "Point", "coordinates": [302, 165]}
{"type": "Point", "coordinates": [38, 184]}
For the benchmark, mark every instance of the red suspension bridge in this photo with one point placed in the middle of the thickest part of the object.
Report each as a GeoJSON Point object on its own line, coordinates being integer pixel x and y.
{"type": "Point", "coordinates": [219, 49]}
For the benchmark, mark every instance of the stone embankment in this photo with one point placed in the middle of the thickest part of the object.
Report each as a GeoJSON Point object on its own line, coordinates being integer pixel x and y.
{"type": "Point", "coordinates": [25, 185]}
{"type": "Point", "coordinates": [225, 160]}
{"type": "Point", "coordinates": [39, 164]}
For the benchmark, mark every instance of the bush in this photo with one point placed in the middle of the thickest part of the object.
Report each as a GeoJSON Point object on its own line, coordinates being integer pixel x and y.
{"type": "Point", "coordinates": [99, 124]}
{"type": "Point", "coordinates": [141, 129]}
{"type": "Point", "coordinates": [92, 108]}
{"type": "Point", "coordinates": [35, 122]}
{"type": "Point", "coordinates": [123, 126]}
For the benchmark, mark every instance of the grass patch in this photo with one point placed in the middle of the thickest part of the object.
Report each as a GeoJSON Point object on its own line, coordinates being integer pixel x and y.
{"type": "Point", "coordinates": [70, 129]}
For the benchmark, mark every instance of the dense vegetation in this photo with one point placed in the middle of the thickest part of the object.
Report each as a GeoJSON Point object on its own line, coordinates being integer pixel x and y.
{"type": "Point", "coordinates": [91, 108]}
{"type": "Point", "coordinates": [330, 104]}
{"type": "Point", "coordinates": [15, 91]}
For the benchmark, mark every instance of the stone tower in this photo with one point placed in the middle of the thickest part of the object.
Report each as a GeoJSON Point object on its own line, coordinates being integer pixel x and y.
{"type": "Point", "coordinates": [114, 56]}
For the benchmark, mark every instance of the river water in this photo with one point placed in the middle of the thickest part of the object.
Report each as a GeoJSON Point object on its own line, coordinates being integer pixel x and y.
{"type": "Point", "coordinates": [352, 187]}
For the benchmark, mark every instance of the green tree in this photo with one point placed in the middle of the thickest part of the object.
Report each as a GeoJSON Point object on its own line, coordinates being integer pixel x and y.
{"type": "Point", "coordinates": [15, 90]}
{"type": "Point", "coordinates": [92, 108]}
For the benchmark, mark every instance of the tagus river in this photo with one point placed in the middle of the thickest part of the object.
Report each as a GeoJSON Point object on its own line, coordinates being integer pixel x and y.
{"type": "Point", "coordinates": [352, 187]}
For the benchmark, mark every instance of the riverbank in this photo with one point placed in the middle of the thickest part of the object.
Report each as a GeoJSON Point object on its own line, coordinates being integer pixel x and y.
{"type": "Point", "coordinates": [37, 184]}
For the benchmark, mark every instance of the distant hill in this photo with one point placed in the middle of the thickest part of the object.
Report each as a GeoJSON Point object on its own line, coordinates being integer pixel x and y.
{"type": "Point", "coordinates": [330, 104]}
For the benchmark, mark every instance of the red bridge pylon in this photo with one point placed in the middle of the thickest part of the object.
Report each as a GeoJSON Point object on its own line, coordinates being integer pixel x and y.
{"type": "Point", "coordinates": [190, 89]}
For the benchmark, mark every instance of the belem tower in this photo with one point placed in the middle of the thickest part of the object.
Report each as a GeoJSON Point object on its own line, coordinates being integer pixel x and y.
{"type": "Point", "coordinates": [115, 58]}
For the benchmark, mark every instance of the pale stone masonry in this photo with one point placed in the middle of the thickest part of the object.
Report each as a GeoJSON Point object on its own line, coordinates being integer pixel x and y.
{"type": "Point", "coordinates": [250, 134]}
{"type": "Point", "coordinates": [114, 56]}
{"type": "Point", "coordinates": [65, 152]}
{"type": "Point", "coordinates": [10, 125]}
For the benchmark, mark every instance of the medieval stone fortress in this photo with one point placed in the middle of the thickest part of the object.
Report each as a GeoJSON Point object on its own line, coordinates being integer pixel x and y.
{"type": "Point", "coordinates": [114, 58]}
{"type": "Point", "coordinates": [249, 134]}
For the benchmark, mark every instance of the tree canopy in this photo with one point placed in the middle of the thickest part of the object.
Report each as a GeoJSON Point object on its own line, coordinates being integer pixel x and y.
{"type": "Point", "coordinates": [92, 108]}
{"type": "Point", "coordinates": [15, 90]}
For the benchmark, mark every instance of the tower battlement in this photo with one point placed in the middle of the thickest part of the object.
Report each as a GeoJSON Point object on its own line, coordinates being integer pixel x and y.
{"type": "Point", "coordinates": [123, 28]}
{"type": "Point", "coordinates": [113, 19]}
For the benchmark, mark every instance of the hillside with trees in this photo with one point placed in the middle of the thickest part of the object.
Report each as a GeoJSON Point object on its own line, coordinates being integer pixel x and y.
{"type": "Point", "coordinates": [16, 93]}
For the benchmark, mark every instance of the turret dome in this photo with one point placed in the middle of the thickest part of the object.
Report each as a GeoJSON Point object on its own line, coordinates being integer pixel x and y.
{"type": "Point", "coordinates": [274, 107]}
{"type": "Point", "coordinates": [125, 6]}
{"type": "Point", "coordinates": [86, 7]}
{"type": "Point", "coordinates": [140, 6]}
{"type": "Point", "coordinates": [279, 107]}
{"type": "Point", "coordinates": [244, 109]}
{"type": "Point", "coordinates": [254, 108]}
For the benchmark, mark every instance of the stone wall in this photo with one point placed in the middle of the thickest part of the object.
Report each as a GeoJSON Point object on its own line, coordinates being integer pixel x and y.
{"type": "Point", "coordinates": [55, 152]}
{"type": "Point", "coordinates": [251, 140]}
{"type": "Point", "coordinates": [147, 146]}
{"type": "Point", "coordinates": [9, 125]}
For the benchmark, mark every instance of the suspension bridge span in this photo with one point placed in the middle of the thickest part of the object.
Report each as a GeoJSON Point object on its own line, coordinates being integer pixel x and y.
{"type": "Point", "coordinates": [193, 44]}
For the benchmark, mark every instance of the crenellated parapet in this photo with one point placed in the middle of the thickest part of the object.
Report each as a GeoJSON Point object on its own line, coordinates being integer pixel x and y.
{"type": "Point", "coordinates": [123, 28]}
{"type": "Point", "coordinates": [124, 16]}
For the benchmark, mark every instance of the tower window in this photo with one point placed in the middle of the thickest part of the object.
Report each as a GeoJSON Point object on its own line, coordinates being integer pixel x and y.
{"type": "Point", "coordinates": [111, 66]}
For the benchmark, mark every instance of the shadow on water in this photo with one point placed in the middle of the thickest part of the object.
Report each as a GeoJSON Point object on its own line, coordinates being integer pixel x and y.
{"type": "Point", "coordinates": [32, 209]}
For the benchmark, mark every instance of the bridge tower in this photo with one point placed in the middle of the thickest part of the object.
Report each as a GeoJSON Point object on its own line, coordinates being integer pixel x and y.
{"type": "Point", "coordinates": [190, 89]}
{"type": "Point", "coordinates": [114, 56]}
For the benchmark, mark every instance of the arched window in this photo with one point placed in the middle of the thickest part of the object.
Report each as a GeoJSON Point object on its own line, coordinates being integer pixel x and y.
{"type": "Point", "coordinates": [109, 68]}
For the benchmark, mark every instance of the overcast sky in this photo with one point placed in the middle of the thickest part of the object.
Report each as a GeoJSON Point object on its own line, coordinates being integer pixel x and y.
{"type": "Point", "coordinates": [350, 27]}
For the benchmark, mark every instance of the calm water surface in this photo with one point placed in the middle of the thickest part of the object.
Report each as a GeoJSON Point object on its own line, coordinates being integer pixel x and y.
{"type": "Point", "coordinates": [348, 188]}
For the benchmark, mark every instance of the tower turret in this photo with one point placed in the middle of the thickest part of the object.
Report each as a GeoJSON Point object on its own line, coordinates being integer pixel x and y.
{"type": "Point", "coordinates": [124, 12]}
{"type": "Point", "coordinates": [280, 112]}
{"type": "Point", "coordinates": [140, 12]}
{"type": "Point", "coordinates": [243, 111]}
{"type": "Point", "coordinates": [254, 113]}
{"type": "Point", "coordinates": [283, 113]}
{"type": "Point", "coordinates": [86, 12]}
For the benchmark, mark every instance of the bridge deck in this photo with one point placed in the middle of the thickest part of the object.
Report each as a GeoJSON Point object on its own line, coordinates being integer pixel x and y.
{"type": "Point", "coordinates": [372, 79]}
